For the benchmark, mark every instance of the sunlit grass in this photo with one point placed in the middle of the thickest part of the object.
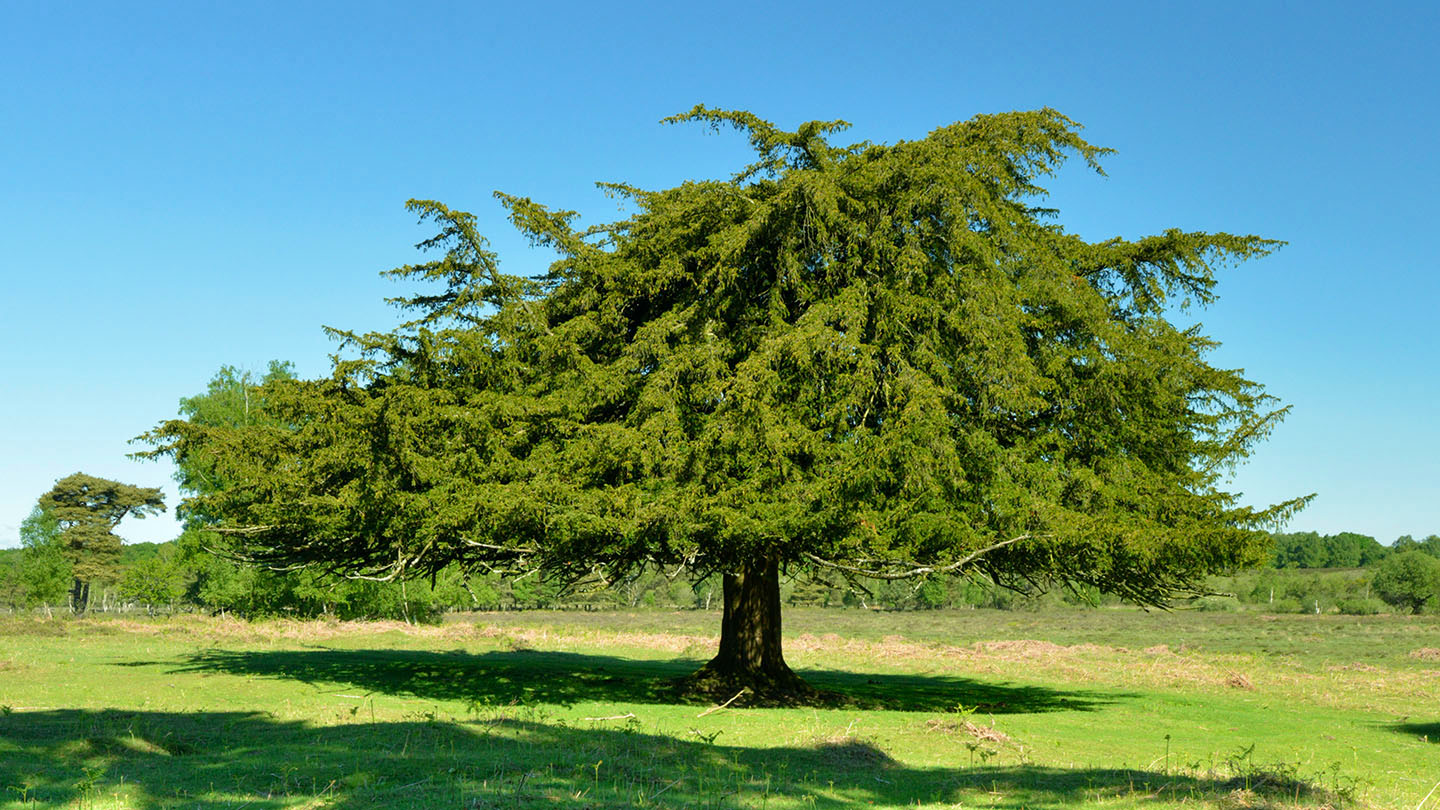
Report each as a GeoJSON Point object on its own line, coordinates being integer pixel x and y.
{"type": "Point", "coordinates": [975, 709]}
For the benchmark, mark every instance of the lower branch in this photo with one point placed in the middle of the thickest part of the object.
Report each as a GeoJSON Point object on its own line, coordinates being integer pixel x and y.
{"type": "Point", "coordinates": [917, 571]}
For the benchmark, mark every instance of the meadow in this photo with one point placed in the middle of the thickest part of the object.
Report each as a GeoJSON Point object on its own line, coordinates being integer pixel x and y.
{"type": "Point", "coordinates": [1113, 708]}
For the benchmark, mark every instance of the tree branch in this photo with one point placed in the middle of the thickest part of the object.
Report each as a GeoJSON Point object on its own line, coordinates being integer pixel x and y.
{"type": "Point", "coordinates": [922, 570]}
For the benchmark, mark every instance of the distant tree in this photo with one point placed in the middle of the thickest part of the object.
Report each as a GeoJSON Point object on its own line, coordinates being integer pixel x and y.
{"type": "Point", "coordinates": [1313, 550]}
{"type": "Point", "coordinates": [87, 510]}
{"type": "Point", "coordinates": [1430, 545]}
{"type": "Point", "coordinates": [155, 581]}
{"type": "Point", "coordinates": [45, 572]}
{"type": "Point", "coordinates": [888, 361]}
{"type": "Point", "coordinates": [1300, 550]}
{"type": "Point", "coordinates": [1409, 579]}
{"type": "Point", "coordinates": [12, 589]}
{"type": "Point", "coordinates": [1372, 552]}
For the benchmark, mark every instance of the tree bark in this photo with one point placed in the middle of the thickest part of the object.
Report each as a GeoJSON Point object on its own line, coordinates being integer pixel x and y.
{"type": "Point", "coordinates": [79, 596]}
{"type": "Point", "coordinates": [750, 655]}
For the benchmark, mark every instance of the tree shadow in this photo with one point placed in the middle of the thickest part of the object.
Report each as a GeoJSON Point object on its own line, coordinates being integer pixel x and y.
{"type": "Point", "coordinates": [565, 678]}
{"type": "Point", "coordinates": [512, 757]}
{"type": "Point", "coordinates": [1429, 732]}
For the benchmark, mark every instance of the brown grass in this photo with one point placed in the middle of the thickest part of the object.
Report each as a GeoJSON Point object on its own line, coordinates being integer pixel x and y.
{"type": "Point", "coordinates": [982, 733]}
{"type": "Point", "coordinates": [1425, 654]}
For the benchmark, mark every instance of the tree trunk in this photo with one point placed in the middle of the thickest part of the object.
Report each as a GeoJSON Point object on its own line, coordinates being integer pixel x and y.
{"type": "Point", "coordinates": [750, 655]}
{"type": "Point", "coordinates": [79, 596]}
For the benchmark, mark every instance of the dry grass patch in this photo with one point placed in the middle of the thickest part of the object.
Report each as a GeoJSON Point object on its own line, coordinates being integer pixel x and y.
{"type": "Point", "coordinates": [981, 733]}
{"type": "Point", "coordinates": [1426, 654]}
{"type": "Point", "coordinates": [1238, 680]}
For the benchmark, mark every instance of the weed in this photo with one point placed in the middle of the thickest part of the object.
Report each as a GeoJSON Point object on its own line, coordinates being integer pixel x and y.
{"type": "Point", "coordinates": [85, 786]}
{"type": "Point", "coordinates": [24, 791]}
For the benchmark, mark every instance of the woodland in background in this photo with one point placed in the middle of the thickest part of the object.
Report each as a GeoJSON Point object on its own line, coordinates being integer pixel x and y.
{"type": "Point", "coordinates": [1309, 573]}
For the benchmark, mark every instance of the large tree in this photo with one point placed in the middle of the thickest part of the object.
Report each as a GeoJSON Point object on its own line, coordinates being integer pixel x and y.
{"type": "Point", "coordinates": [87, 509]}
{"type": "Point", "coordinates": [880, 360]}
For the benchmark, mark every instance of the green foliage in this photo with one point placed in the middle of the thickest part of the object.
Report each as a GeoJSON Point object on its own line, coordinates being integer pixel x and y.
{"type": "Point", "coordinates": [884, 360]}
{"type": "Point", "coordinates": [46, 570]}
{"type": "Point", "coordinates": [12, 589]}
{"type": "Point", "coordinates": [86, 510]}
{"type": "Point", "coordinates": [1313, 550]}
{"type": "Point", "coordinates": [1360, 607]}
{"type": "Point", "coordinates": [1430, 545]}
{"type": "Point", "coordinates": [155, 580]}
{"type": "Point", "coordinates": [1409, 579]}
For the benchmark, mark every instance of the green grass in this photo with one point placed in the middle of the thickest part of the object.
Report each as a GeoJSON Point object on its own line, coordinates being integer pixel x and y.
{"type": "Point", "coordinates": [529, 710]}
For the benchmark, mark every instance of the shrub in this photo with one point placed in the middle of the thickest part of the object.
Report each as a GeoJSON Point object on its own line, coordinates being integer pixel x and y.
{"type": "Point", "coordinates": [1361, 607]}
{"type": "Point", "coordinates": [1409, 580]}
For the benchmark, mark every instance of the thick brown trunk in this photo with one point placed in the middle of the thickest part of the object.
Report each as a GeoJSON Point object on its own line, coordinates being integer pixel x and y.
{"type": "Point", "coordinates": [750, 655]}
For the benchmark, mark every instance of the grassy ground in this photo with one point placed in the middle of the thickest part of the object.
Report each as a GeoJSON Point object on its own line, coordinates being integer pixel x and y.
{"type": "Point", "coordinates": [970, 709]}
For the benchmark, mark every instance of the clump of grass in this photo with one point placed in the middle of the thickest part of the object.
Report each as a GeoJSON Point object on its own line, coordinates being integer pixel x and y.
{"type": "Point", "coordinates": [982, 733]}
{"type": "Point", "coordinates": [1426, 654]}
{"type": "Point", "coordinates": [1238, 680]}
{"type": "Point", "coordinates": [51, 628]}
{"type": "Point", "coordinates": [852, 752]}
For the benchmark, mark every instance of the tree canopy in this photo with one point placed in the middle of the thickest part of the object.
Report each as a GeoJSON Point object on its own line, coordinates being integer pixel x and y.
{"type": "Point", "coordinates": [1408, 579]}
{"type": "Point", "coordinates": [880, 360]}
{"type": "Point", "coordinates": [86, 510]}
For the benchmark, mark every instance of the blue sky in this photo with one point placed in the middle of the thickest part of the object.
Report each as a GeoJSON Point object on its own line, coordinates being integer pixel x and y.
{"type": "Point", "coordinates": [194, 184]}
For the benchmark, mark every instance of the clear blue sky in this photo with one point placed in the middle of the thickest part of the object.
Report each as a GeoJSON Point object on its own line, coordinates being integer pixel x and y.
{"type": "Point", "coordinates": [193, 184]}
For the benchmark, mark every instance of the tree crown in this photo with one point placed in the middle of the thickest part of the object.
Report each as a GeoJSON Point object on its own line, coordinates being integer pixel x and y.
{"type": "Point", "coordinates": [882, 359]}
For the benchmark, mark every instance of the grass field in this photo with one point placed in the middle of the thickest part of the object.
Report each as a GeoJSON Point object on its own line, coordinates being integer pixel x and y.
{"type": "Point", "coordinates": [1098, 708]}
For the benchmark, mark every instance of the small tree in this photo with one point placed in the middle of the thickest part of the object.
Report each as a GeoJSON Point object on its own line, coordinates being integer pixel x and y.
{"type": "Point", "coordinates": [884, 361]}
{"type": "Point", "coordinates": [156, 582]}
{"type": "Point", "coordinates": [45, 570]}
{"type": "Point", "coordinates": [1410, 580]}
{"type": "Point", "coordinates": [87, 509]}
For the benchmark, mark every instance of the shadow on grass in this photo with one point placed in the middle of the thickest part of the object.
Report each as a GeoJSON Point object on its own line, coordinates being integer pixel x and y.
{"type": "Point", "coordinates": [1429, 732]}
{"type": "Point", "coordinates": [563, 678]}
{"type": "Point", "coordinates": [510, 758]}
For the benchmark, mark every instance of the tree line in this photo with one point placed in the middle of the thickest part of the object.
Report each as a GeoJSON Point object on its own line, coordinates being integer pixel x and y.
{"type": "Point", "coordinates": [185, 575]}
{"type": "Point", "coordinates": [1343, 550]}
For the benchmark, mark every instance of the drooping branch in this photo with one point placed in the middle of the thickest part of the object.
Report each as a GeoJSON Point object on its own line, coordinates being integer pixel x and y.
{"type": "Point", "coordinates": [919, 570]}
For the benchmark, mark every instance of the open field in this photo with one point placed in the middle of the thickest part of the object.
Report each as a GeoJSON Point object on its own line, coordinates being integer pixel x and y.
{"type": "Point", "coordinates": [1107, 708]}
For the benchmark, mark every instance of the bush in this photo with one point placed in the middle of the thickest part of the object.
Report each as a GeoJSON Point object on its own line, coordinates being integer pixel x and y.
{"type": "Point", "coordinates": [1409, 580]}
{"type": "Point", "coordinates": [1361, 607]}
{"type": "Point", "coordinates": [1286, 605]}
